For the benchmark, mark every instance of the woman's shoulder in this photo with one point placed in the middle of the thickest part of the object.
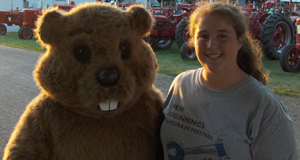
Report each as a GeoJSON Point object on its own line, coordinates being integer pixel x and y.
{"type": "Point", "coordinates": [259, 91]}
{"type": "Point", "coordinates": [254, 86]}
{"type": "Point", "coordinates": [266, 98]}
{"type": "Point", "coordinates": [184, 79]}
{"type": "Point", "coordinates": [188, 74]}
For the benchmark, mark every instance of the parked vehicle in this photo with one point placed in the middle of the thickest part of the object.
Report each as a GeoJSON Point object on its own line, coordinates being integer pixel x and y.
{"type": "Point", "coordinates": [187, 53]}
{"type": "Point", "coordinates": [10, 17]}
{"type": "Point", "coordinates": [25, 19]}
{"type": "Point", "coordinates": [30, 15]}
{"type": "Point", "coordinates": [166, 21]}
{"type": "Point", "coordinates": [274, 31]}
{"type": "Point", "coordinates": [290, 57]}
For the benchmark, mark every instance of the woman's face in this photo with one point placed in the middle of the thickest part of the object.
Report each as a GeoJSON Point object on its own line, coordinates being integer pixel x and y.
{"type": "Point", "coordinates": [216, 45]}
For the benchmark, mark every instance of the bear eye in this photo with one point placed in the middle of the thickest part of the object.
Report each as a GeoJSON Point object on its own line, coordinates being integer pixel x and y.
{"type": "Point", "coordinates": [83, 54]}
{"type": "Point", "coordinates": [125, 50]}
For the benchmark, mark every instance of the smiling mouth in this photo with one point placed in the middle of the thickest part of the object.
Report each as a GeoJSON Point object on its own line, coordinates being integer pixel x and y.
{"type": "Point", "coordinates": [215, 56]}
{"type": "Point", "coordinates": [108, 105]}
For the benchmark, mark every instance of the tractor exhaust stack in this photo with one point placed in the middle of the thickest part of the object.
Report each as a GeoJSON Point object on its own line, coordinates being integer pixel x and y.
{"type": "Point", "coordinates": [11, 5]}
{"type": "Point", "coordinates": [41, 4]}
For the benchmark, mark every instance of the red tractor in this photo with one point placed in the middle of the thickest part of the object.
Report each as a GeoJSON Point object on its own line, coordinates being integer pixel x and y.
{"type": "Point", "coordinates": [274, 31]}
{"type": "Point", "coordinates": [166, 21]}
{"type": "Point", "coordinates": [30, 15]}
{"type": "Point", "coordinates": [290, 56]}
{"type": "Point", "coordinates": [167, 11]}
{"type": "Point", "coordinates": [10, 18]}
{"type": "Point", "coordinates": [25, 19]}
{"type": "Point", "coordinates": [124, 6]}
{"type": "Point", "coordinates": [66, 7]}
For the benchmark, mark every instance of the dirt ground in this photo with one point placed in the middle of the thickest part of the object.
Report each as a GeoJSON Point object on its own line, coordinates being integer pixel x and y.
{"type": "Point", "coordinates": [292, 104]}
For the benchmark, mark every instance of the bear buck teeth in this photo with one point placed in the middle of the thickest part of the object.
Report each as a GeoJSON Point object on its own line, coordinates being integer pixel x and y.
{"type": "Point", "coordinates": [108, 105]}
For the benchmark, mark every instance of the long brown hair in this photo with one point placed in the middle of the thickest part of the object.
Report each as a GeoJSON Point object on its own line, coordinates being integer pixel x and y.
{"type": "Point", "coordinates": [249, 56]}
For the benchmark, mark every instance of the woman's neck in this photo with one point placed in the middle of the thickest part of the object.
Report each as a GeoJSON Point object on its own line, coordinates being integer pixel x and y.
{"type": "Point", "coordinates": [223, 80]}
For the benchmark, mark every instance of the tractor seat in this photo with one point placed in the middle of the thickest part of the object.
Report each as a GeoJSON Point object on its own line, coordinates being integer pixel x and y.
{"type": "Point", "coordinates": [179, 13]}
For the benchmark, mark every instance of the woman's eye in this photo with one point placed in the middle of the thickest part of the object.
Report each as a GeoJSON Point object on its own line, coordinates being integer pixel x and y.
{"type": "Point", "coordinates": [202, 37]}
{"type": "Point", "coordinates": [222, 36]}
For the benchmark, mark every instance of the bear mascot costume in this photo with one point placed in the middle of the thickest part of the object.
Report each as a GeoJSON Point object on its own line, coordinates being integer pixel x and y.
{"type": "Point", "coordinates": [98, 100]}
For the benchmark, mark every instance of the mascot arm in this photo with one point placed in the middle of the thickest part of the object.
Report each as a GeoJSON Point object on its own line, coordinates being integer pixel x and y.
{"type": "Point", "coordinates": [159, 104]}
{"type": "Point", "coordinates": [28, 141]}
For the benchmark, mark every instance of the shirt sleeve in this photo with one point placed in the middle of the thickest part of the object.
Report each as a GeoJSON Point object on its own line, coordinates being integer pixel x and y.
{"type": "Point", "coordinates": [276, 135]}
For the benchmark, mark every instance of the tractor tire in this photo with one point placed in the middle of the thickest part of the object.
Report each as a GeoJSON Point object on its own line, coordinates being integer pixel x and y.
{"type": "Point", "coordinates": [187, 53]}
{"type": "Point", "coordinates": [2, 29]}
{"type": "Point", "coordinates": [289, 59]}
{"type": "Point", "coordinates": [19, 33]}
{"type": "Point", "coordinates": [25, 32]}
{"type": "Point", "coordinates": [159, 43]}
{"type": "Point", "coordinates": [180, 33]}
{"type": "Point", "coordinates": [276, 33]}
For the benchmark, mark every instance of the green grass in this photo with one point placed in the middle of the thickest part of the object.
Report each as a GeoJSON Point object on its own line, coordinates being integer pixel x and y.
{"type": "Point", "coordinates": [280, 82]}
{"type": "Point", "coordinates": [11, 39]}
{"type": "Point", "coordinates": [170, 63]}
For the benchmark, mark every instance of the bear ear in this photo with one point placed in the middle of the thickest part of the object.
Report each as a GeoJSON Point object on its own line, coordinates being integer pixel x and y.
{"type": "Point", "coordinates": [50, 26]}
{"type": "Point", "coordinates": [141, 18]}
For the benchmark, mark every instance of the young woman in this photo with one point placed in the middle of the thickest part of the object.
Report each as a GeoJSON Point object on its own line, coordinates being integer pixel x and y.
{"type": "Point", "coordinates": [223, 110]}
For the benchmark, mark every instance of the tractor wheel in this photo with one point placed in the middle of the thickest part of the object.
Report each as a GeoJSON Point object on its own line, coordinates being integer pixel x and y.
{"type": "Point", "coordinates": [290, 59]}
{"type": "Point", "coordinates": [2, 29]}
{"type": "Point", "coordinates": [19, 33]}
{"type": "Point", "coordinates": [159, 43]}
{"type": "Point", "coordinates": [180, 33]}
{"type": "Point", "coordinates": [187, 53]}
{"type": "Point", "coordinates": [25, 32]}
{"type": "Point", "coordinates": [276, 33]}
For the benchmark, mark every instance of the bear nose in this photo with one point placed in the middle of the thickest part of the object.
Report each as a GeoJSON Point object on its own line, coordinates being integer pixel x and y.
{"type": "Point", "coordinates": [108, 77]}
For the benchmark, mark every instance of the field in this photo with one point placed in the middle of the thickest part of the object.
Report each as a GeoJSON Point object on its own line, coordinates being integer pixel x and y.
{"type": "Point", "coordinates": [170, 63]}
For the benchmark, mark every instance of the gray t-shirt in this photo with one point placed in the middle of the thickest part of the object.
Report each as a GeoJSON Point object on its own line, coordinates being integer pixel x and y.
{"type": "Point", "coordinates": [243, 122]}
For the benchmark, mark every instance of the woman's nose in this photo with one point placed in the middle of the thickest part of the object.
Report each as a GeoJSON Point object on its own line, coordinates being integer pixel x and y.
{"type": "Point", "coordinates": [212, 43]}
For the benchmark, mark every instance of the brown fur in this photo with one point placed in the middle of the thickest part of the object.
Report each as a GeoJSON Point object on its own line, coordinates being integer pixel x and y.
{"type": "Point", "coordinates": [64, 121]}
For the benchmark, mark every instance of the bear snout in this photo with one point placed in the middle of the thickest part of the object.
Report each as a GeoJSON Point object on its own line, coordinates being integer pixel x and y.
{"type": "Point", "coordinates": [108, 77]}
